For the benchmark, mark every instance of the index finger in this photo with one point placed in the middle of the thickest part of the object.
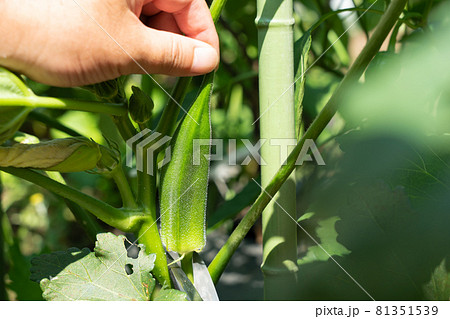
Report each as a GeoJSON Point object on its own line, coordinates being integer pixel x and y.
{"type": "Point", "coordinates": [193, 18]}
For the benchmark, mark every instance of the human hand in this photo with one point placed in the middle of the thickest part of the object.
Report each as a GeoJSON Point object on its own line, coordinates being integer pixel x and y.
{"type": "Point", "coordinates": [80, 42]}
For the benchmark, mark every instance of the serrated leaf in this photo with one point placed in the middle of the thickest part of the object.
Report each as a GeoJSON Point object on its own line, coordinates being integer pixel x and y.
{"type": "Point", "coordinates": [100, 275]}
{"type": "Point", "coordinates": [11, 117]}
{"type": "Point", "coordinates": [170, 295]}
{"type": "Point", "coordinates": [438, 288]}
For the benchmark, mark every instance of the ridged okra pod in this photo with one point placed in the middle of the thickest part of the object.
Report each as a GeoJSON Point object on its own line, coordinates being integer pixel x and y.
{"type": "Point", "coordinates": [184, 180]}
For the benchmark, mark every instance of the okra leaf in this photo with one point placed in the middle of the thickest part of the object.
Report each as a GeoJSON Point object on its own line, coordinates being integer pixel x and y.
{"type": "Point", "coordinates": [301, 49]}
{"type": "Point", "coordinates": [438, 288]}
{"type": "Point", "coordinates": [184, 180]}
{"type": "Point", "coordinates": [12, 117]}
{"type": "Point", "coordinates": [99, 275]}
{"type": "Point", "coordinates": [170, 295]}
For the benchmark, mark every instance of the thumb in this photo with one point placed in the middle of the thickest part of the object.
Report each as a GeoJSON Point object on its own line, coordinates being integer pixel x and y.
{"type": "Point", "coordinates": [162, 52]}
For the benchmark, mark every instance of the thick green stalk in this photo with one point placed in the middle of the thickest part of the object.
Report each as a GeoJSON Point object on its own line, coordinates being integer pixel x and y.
{"type": "Point", "coordinates": [148, 235]}
{"type": "Point", "coordinates": [125, 220]}
{"type": "Point", "coordinates": [386, 23]}
{"type": "Point", "coordinates": [3, 294]}
{"type": "Point", "coordinates": [124, 126]}
{"type": "Point", "coordinates": [65, 104]}
{"type": "Point", "coordinates": [276, 94]}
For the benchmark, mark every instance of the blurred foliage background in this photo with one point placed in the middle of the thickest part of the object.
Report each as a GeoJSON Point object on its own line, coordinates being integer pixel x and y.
{"type": "Point", "coordinates": [380, 206]}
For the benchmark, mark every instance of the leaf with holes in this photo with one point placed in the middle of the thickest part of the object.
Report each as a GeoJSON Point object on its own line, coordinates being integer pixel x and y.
{"type": "Point", "coordinates": [100, 275]}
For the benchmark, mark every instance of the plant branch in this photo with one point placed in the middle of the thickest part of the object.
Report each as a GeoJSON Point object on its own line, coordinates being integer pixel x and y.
{"type": "Point", "coordinates": [128, 199]}
{"type": "Point", "coordinates": [84, 218]}
{"type": "Point", "coordinates": [65, 104]}
{"type": "Point", "coordinates": [125, 220]}
{"type": "Point", "coordinates": [385, 24]}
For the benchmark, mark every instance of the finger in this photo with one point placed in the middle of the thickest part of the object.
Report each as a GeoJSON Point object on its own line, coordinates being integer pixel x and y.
{"type": "Point", "coordinates": [193, 18]}
{"type": "Point", "coordinates": [163, 21]}
{"type": "Point", "coordinates": [150, 10]}
{"type": "Point", "coordinates": [169, 53]}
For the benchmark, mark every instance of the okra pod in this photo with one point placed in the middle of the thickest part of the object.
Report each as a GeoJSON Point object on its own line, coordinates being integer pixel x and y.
{"type": "Point", "coordinates": [184, 182]}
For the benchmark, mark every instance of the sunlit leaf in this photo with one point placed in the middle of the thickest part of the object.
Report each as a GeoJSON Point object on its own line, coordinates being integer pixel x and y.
{"type": "Point", "coordinates": [100, 275]}
{"type": "Point", "coordinates": [439, 286]}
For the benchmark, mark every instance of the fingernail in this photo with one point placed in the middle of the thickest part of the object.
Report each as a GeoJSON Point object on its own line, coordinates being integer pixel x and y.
{"type": "Point", "coordinates": [205, 60]}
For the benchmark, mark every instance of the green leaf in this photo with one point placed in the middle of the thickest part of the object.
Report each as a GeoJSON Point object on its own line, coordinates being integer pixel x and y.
{"type": "Point", "coordinates": [327, 235]}
{"type": "Point", "coordinates": [170, 295]}
{"type": "Point", "coordinates": [12, 117]}
{"type": "Point", "coordinates": [184, 181]}
{"type": "Point", "coordinates": [439, 286]}
{"type": "Point", "coordinates": [100, 275]}
{"type": "Point", "coordinates": [301, 49]}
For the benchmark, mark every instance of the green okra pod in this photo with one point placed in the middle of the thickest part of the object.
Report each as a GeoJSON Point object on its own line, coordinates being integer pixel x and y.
{"type": "Point", "coordinates": [184, 180]}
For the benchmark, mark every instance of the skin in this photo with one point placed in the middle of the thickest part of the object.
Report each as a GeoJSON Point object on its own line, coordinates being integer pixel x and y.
{"type": "Point", "coordinates": [61, 42]}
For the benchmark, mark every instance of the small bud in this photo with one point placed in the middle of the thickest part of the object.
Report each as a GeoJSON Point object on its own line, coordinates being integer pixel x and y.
{"type": "Point", "coordinates": [109, 161]}
{"type": "Point", "coordinates": [74, 154]}
{"type": "Point", "coordinates": [140, 106]}
{"type": "Point", "coordinates": [107, 90]}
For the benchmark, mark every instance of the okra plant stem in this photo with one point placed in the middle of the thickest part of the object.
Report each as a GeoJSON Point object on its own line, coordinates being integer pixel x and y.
{"type": "Point", "coordinates": [124, 126]}
{"type": "Point", "coordinates": [125, 220]}
{"type": "Point", "coordinates": [382, 30]}
{"type": "Point", "coordinates": [86, 220]}
{"type": "Point", "coordinates": [65, 104]}
{"type": "Point", "coordinates": [275, 23]}
{"type": "Point", "coordinates": [148, 235]}
{"type": "Point", "coordinates": [128, 199]}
